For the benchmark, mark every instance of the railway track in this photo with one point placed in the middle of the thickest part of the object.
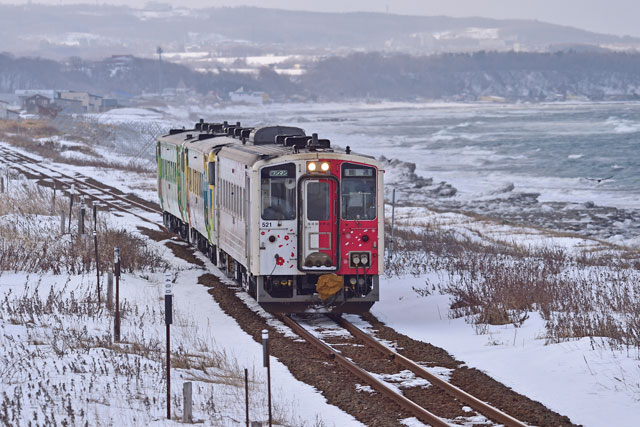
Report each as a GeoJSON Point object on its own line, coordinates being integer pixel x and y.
{"type": "Point", "coordinates": [417, 407]}
{"type": "Point", "coordinates": [100, 193]}
{"type": "Point", "coordinates": [411, 405]}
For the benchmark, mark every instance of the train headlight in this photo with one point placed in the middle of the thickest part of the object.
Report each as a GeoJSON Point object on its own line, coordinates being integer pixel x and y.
{"type": "Point", "coordinates": [355, 259]}
{"type": "Point", "coordinates": [311, 166]}
{"type": "Point", "coordinates": [324, 166]}
{"type": "Point", "coordinates": [364, 259]}
{"type": "Point", "coordinates": [352, 280]}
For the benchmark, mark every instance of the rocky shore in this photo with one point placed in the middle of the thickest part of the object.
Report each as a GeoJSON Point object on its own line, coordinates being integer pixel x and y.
{"type": "Point", "coordinates": [507, 204]}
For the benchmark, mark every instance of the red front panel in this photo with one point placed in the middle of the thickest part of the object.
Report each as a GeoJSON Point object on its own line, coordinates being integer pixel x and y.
{"type": "Point", "coordinates": [355, 235]}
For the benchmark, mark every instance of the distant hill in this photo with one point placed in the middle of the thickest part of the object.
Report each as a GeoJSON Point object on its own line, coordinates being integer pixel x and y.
{"type": "Point", "coordinates": [128, 76]}
{"type": "Point", "coordinates": [102, 30]}
{"type": "Point", "coordinates": [491, 76]}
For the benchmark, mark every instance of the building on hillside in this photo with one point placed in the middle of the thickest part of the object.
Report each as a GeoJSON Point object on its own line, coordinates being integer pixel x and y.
{"type": "Point", "coordinates": [70, 106]}
{"type": "Point", "coordinates": [3, 109]}
{"type": "Point", "coordinates": [25, 93]}
{"type": "Point", "coordinates": [12, 115]}
{"type": "Point", "coordinates": [6, 113]}
{"type": "Point", "coordinates": [248, 97]}
{"type": "Point", "coordinates": [91, 103]}
{"type": "Point", "coordinates": [33, 103]}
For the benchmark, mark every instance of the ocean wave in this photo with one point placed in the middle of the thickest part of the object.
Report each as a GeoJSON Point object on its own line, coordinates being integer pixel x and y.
{"type": "Point", "coordinates": [445, 135]}
{"type": "Point", "coordinates": [622, 125]}
{"type": "Point", "coordinates": [575, 156]}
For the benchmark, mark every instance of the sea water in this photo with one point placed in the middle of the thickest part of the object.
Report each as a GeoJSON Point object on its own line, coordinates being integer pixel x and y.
{"type": "Point", "coordinates": [567, 152]}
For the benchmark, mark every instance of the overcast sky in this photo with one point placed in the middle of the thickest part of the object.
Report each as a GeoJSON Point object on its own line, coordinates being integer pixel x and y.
{"type": "Point", "coordinates": [607, 16]}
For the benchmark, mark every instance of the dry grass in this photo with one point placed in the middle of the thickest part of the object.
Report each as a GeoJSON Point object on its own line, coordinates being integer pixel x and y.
{"type": "Point", "coordinates": [31, 238]}
{"type": "Point", "coordinates": [33, 128]}
{"type": "Point", "coordinates": [64, 369]}
{"type": "Point", "coordinates": [37, 136]}
{"type": "Point", "coordinates": [579, 294]}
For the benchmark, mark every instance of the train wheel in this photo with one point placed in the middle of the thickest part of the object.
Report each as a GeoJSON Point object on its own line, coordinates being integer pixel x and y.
{"type": "Point", "coordinates": [203, 245]}
{"type": "Point", "coordinates": [184, 231]}
{"type": "Point", "coordinates": [253, 286]}
{"type": "Point", "coordinates": [213, 254]}
{"type": "Point", "coordinates": [238, 273]}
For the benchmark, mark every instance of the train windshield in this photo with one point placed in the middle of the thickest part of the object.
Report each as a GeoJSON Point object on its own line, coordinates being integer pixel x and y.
{"type": "Point", "coordinates": [278, 192]}
{"type": "Point", "coordinates": [358, 192]}
{"type": "Point", "coordinates": [318, 200]}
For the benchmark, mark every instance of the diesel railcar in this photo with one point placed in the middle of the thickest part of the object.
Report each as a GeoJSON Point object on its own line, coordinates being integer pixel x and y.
{"type": "Point", "coordinates": [298, 223]}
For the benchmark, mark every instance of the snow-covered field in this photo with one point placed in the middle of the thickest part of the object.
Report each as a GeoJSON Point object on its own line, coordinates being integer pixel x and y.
{"type": "Point", "coordinates": [59, 364]}
{"type": "Point", "coordinates": [586, 379]}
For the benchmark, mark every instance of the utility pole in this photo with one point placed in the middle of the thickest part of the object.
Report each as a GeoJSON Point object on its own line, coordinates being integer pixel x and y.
{"type": "Point", "coordinates": [83, 208]}
{"type": "Point", "coordinates": [159, 52]}
{"type": "Point", "coordinates": [393, 218]}
{"type": "Point", "coordinates": [168, 319]}
{"type": "Point", "coordinates": [71, 196]}
{"type": "Point", "coordinates": [265, 362]}
{"type": "Point", "coordinates": [116, 272]}
{"type": "Point", "coordinates": [95, 244]}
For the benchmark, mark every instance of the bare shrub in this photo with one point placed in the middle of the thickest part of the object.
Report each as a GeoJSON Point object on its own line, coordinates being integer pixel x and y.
{"type": "Point", "coordinates": [36, 136]}
{"type": "Point", "coordinates": [30, 238]}
{"type": "Point", "coordinates": [594, 293]}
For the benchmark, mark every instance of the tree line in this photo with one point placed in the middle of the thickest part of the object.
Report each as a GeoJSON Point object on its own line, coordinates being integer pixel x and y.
{"type": "Point", "coordinates": [512, 75]}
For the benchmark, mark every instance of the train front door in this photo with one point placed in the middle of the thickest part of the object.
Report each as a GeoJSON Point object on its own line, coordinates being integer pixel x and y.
{"type": "Point", "coordinates": [319, 224]}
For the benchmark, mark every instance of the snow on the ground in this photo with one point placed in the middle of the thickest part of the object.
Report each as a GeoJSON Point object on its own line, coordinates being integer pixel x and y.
{"type": "Point", "coordinates": [583, 379]}
{"type": "Point", "coordinates": [119, 115]}
{"type": "Point", "coordinates": [62, 366]}
{"type": "Point", "coordinates": [97, 383]}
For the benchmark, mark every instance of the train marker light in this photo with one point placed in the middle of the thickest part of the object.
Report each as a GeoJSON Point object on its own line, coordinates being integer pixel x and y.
{"type": "Point", "coordinates": [324, 167]}
{"type": "Point", "coordinates": [364, 259]}
{"type": "Point", "coordinates": [355, 259]}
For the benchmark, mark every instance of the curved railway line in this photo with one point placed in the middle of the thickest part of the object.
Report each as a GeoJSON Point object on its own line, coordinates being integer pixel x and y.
{"type": "Point", "coordinates": [406, 403]}
{"type": "Point", "coordinates": [365, 342]}
{"type": "Point", "coordinates": [22, 163]}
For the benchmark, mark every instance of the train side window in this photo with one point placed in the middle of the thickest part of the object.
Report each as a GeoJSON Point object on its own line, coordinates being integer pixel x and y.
{"type": "Point", "coordinates": [226, 196]}
{"type": "Point", "coordinates": [235, 199]}
{"type": "Point", "coordinates": [278, 192]}
{"type": "Point", "coordinates": [244, 205]}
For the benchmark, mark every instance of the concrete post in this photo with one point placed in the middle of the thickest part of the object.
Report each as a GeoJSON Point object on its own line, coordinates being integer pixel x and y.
{"type": "Point", "coordinates": [187, 416]}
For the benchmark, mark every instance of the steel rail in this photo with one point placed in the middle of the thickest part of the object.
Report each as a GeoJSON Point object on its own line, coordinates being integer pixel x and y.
{"type": "Point", "coordinates": [406, 404]}
{"type": "Point", "coordinates": [477, 404]}
{"type": "Point", "coordinates": [36, 172]}
{"type": "Point", "coordinates": [78, 181]}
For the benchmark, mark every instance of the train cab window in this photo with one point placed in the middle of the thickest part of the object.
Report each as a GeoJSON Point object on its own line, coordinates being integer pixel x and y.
{"type": "Point", "coordinates": [318, 200]}
{"type": "Point", "coordinates": [278, 192]}
{"type": "Point", "coordinates": [358, 192]}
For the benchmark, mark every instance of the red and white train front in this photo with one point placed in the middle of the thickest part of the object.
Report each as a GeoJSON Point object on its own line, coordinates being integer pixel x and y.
{"type": "Point", "coordinates": [321, 240]}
